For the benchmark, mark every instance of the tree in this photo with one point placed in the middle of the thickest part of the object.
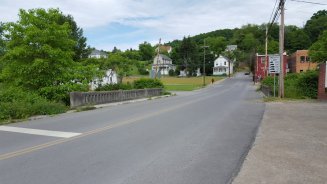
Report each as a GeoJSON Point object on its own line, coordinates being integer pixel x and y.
{"type": "Point", "coordinates": [2, 40]}
{"type": "Point", "coordinates": [318, 51]}
{"type": "Point", "coordinates": [316, 25]}
{"type": "Point", "coordinates": [120, 64]}
{"type": "Point", "coordinates": [216, 44]}
{"type": "Point", "coordinates": [146, 51]}
{"type": "Point", "coordinates": [189, 54]}
{"type": "Point", "coordinates": [296, 39]}
{"type": "Point", "coordinates": [81, 50]}
{"type": "Point", "coordinates": [40, 53]}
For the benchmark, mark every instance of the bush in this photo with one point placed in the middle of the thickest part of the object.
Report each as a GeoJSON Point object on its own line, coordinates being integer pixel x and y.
{"type": "Point", "coordinates": [112, 87]}
{"type": "Point", "coordinates": [148, 83]}
{"type": "Point", "coordinates": [308, 84]}
{"type": "Point", "coordinates": [171, 72]}
{"type": "Point", "coordinates": [143, 71]}
{"type": "Point", "coordinates": [16, 103]}
{"type": "Point", "coordinates": [297, 85]}
{"type": "Point", "coordinates": [61, 93]}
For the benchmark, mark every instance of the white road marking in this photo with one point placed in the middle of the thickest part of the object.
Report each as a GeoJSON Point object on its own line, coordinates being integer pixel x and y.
{"type": "Point", "coordinates": [39, 132]}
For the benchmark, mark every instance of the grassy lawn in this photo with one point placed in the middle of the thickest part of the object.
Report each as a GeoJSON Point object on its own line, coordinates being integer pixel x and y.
{"type": "Point", "coordinates": [179, 83]}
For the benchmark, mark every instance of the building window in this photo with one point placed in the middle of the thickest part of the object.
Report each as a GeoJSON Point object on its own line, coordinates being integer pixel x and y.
{"type": "Point", "coordinates": [308, 59]}
{"type": "Point", "coordinates": [302, 59]}
{"type": "Point", "coordinates": [225, 63]}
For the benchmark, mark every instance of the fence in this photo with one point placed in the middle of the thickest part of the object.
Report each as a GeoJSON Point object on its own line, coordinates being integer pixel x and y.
{"type": "Point", "coordinates": [87, 98]}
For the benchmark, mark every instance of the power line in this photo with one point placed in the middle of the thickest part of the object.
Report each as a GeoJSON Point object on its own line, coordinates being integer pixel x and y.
{"type": "Point", "coordinates": [273, 11]}
{"type": "Point", "coordinates": [309, 2]}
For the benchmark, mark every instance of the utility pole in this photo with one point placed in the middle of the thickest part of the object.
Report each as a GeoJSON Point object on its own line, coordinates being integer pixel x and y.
{"type": "Point", "coordinates": [229, 60]}
{"type": "Point", "coordinates": [281, 49]}
{"type": "Point", "coordinates": [158, 55]}
{"type": "Point", "coordinates": [204, 60]}
{"type": "Point", "coordinates": [266, 49]}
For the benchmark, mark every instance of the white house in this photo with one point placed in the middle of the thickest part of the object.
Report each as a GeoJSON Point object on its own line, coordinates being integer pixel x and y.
{"type": "Point", "coordinates": [98, 54]}
{"type": "Point", "coordinates": [109, 78]}
{"type": "Point", "coordinates": [221, 66]}
{"type": "Point", "coordinates": [162, 64]}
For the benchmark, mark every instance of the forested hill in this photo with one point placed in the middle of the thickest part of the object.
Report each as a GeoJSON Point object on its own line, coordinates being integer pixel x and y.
{"type": "Point", "coordinates": [250, 39]}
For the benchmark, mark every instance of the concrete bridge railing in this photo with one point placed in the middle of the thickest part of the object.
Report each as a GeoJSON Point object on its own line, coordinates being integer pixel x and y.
{"type": "Point", "coordinates": [94, 98]}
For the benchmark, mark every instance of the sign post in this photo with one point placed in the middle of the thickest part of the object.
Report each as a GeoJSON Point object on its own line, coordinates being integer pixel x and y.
{"type": "Point", "coordinates": [326, 76]}
{"type": "Point", "coordinates": [274, 68]}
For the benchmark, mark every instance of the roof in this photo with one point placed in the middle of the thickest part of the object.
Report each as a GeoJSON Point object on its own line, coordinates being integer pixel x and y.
{"type": "Point", "coordinates": [165, 57]}
{"type": "Point", "coordinates": [220, 56]}
{"type": "Point", "coordinates": [98, 52]}
{"type": "Point", "coordinates": [166, 48]}
{"type": "Point", "coordinates": [231, 47]}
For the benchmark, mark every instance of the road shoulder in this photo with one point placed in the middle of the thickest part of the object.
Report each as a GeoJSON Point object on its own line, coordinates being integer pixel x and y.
{"type": "Point", "coordinates": [291, 145]}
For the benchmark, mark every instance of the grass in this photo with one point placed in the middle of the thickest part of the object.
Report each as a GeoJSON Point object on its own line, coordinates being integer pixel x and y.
{"type": "Point", "coordinates": [179, 83]}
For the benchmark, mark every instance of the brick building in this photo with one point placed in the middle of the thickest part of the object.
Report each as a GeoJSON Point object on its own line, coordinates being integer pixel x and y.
{"type": "Point", "coordinates": [322, 83]}
{"type": "Point", "coordinates": [300, 62]}
{"type": "Point", "coordinates": [262, 67]}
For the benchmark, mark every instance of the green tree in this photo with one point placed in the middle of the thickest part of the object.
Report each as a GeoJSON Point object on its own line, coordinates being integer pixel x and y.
{"type": "Point", "coordinates": [189, 54]}
{"type": "Point", "coordinates": [2, 40]}
{"type": "Point", "coordinates": [146, 51]}
{"type": "Point", "coordinates": [316, 25]}
{"type": "Point", "coordinates": [318, 51]}
{"type": "Point", "coordinates": [296, 39]}
{"type": "Point", "coordinates": [216, 44]}
{"type": "Point", "coordinates": [81, 50]}
{"type": "Point", "coordinates": [40, 53]}
{"type": "Point", "coordinates": [120, 64]}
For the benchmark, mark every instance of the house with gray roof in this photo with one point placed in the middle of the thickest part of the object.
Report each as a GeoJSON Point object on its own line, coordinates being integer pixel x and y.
{"type": "Point", "coordinates": [162, 64]}
{"type": "Point", "coordinates": [98, 54]}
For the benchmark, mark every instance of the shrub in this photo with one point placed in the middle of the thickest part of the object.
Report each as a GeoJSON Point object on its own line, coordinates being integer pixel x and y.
{"type": "Point", "coordinates": [16, 103]}
{"type": "Point", "coordinates": [143, 71]}
{"type": "Point", "coordinates": [148, 83]}
{"type": "Point", "coordinates": [61, 93]}
{"type": "Point", "coordinates": [112, 87]}
{"type": "Point", "coordinates": [171, 72]}
{"type": "Point", "coordinates": [308, 84]}
{"type": "Point", "coordinates": [297, 85]}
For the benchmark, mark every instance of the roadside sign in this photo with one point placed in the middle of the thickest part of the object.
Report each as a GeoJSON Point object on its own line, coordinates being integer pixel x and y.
{"type": "Point", "coordinates": [274, 63]}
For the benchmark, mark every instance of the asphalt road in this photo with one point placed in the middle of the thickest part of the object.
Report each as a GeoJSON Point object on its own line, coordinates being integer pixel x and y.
{"type": "Point", "coordinates": [198, 137]}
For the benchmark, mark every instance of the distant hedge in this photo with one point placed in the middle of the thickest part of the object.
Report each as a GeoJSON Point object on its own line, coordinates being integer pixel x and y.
{"type": "Point", "coordinates": [137, 84]}
{"type": "Point", "coordinates": [148, 83]}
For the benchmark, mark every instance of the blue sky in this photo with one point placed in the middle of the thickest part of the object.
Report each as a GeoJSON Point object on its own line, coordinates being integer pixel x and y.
{"type": "Point", "coordinates": [126, 23]}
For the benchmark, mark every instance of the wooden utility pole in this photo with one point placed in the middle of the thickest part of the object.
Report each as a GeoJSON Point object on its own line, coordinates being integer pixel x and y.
{"type": "Point", "coordinates": [204, 61]}
{"type": "Point", "coordinates": [281, 49]}
{"type": "Point", "coordinates": [158, 55]}
{"type": "Point", "coordinates": [266, 50]}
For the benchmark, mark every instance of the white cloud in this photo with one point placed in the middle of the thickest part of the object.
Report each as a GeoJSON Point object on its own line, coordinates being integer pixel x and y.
{"type": "Point", "coordinates": [169, 19]}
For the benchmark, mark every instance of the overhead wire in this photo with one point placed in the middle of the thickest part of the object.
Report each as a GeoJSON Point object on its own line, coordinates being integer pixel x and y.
{"type": "Point", "coordinates": [309, 2]}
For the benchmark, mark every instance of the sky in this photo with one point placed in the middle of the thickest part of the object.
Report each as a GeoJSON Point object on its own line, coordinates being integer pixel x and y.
{"type": "Point", "coordinates": [127, 23]}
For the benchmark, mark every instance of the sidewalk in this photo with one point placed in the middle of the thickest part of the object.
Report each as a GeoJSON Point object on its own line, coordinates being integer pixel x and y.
{"type": "Point", "coordinates": [291, 146]}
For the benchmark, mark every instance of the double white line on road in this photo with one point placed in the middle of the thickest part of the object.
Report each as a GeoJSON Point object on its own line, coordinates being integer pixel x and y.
{"type": "Point", "coordinates": [39, 132]}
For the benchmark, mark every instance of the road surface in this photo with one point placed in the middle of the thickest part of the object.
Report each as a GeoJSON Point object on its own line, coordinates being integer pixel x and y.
{"type": "Point", "coordinates": [198, 137]}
